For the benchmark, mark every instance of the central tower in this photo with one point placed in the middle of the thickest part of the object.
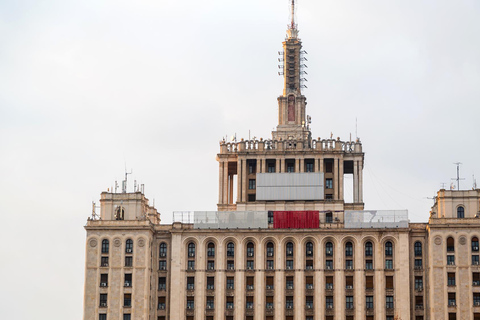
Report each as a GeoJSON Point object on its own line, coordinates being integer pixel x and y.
{"type": "Point", "coordinates": [291, 104]}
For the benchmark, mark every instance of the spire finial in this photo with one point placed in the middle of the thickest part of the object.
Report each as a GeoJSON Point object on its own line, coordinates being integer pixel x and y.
{"type": "Point", "coordinates": [292, 26]}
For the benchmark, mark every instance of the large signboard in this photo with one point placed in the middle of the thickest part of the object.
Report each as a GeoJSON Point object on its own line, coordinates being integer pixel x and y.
{"type": "Point", "coordinates": [376, 219]}
{"type": "Point", "coordinates": [290, 186]}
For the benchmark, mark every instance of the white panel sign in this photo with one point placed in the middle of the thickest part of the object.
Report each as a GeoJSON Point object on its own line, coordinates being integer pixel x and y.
{"type": "Point", "coordinates": [290, 186]}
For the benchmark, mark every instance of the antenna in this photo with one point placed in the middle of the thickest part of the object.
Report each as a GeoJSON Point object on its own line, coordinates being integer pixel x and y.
{"type": "Point", "coordinates": [356, 128]}
{"type": "Point", "coordinates": [443, 185]}
{"type": "Point", "coordinates": [293, 15]}
{"type": "Point", "coordinates": [474, 182]}
{"type": "Point", "coordinates": [124, 182]}
{"type": "Point", "coordinates": [458, 175]}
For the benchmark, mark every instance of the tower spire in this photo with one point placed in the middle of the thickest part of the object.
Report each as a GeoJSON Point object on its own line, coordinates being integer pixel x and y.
{"type": "Point", "coordinates": [292, 26]}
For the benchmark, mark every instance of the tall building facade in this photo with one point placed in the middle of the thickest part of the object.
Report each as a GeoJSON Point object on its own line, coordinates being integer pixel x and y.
{"type": "Point", "coordinates": [284, 244]}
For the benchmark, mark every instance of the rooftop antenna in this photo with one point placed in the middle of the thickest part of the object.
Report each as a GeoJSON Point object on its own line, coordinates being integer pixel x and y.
{"type": "Point", "coordinates": [292, 26]}
{"type": "Point", "coordinates": [458, 175]}
{"type": "Point", "coordinates": [356, 128]}
{"type": "Point", "coordinates": [124, 182]}
{"type": "Point", "coordinates": [443, 185]}
{"type": "Point", "coordinates": [474, 182]}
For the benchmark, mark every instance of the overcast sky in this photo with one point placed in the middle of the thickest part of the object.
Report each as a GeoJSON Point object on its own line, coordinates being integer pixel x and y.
{"type": "Point", "coordinates": [87, 86]}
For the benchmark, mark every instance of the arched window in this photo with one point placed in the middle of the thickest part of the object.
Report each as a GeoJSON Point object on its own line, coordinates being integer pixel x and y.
{"type": "Point", "coordinates": [388, 249]}
{"type": "Point", "coordinates": [418, 249]}
{"type": "Point", "coordinates": [450, 244]}
{"type": "Point", "coordinates": [230, 249]}
{"type": "Point", "coordinates": [475, 244]}
{"type": "Point", "coordinates": [105, 245]}
{"type": "Point", "coordinates": [460, 212]}
{"type": "Point", "coordinates": [250, 249]}
{"type": "Point", "coordinates": [191, 249]}
{"type": "Point", "coordinates": [368, 249]}
{"type": "Point", "coordinates": [309, 249]}
{"type": "Point", "coordinates": [129, 246]}
{"type": "Point", "coordinates": [289, 249]}
{"type": "Point", "coordinates": [211, 249]}
{"type": "Point", "coordinates": [270, 249]}
{"type": "Point", "coordinates": [163, 249]}
{"type": "Point", "coordinates": [348, 249]}
{"type": "Point", "coordinates": [329, 249]}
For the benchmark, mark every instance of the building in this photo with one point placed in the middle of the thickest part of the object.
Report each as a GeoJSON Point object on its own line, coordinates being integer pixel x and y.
{"type": "Point", "coordinates": [283, 243]}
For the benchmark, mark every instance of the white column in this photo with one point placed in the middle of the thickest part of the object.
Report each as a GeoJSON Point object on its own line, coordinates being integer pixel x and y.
{"type": "Point", "coordinates": [225, 183]}
{"type": "Point", "coordinates": [360, 181]}
{"type": "Point", "coordinates": [239, 180]}
{"type": "Point", "coordinates": [335, 178]}
{"type": "Point", "coordinates": [220, 182]}
{"type": "Point", "coordinates": [355, 181]}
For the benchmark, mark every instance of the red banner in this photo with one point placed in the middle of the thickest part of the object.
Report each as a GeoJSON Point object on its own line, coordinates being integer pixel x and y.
{"type": "Point", "coordinates": [296, 219]}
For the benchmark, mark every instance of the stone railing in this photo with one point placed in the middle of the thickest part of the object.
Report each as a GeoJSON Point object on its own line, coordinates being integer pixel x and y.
{"type": "Point", "coordinates": [280, 145]}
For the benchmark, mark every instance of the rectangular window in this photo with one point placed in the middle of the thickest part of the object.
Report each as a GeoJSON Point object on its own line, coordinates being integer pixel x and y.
{"type": "Point", "coordinates": [309, 265]}
{"type": "Point", "coordinates": [249, 304]}
{"type": "Point", "coordinates": [190, 303]}
{"type": "Point", "coordinates": [418, 264]}
{"type": "Point", "coordinates": [251, 184]}
{"type": "Point", "coordinates": [127, 316]}
{"type": "Point", "coordinates": [270, 265]}
{"type": "Point", "coordinates": [328, 183]}
{"type": "Point", "coordinates": [102, 316]}
{"type": "Point", "coordinates": [103, 300]}
{"type": "Point", "coordinates": [452, 316]}
{"type": "Point", "coordinates": [389, 302]}
{"type": "Point", "coordinates": [210, 303]}
{"type": "Point", "coordinates": [269, 302]}
{"type": "Point", "coordinates": [419, 302]}
{"type": "Point", "coordinates": [270, 221]}
{"type": "Point", "coordinates": [230, 265]}
{"type": "Point", "coordinates": [128, 279]}
{"type": "Point", "coordinates": [230, 283]}
{"type": "Point", "coordinates": [289, 302]}
{"type": "Point", "coordinates": [127, 300]}
{"type": "Point", "coordinates": [269, 283]}
{"type": "Point", "coordinates": [476, 299]}
{"type": "Point", "coordinates": [329, 283]}
{"type": "Point", "coordinates": [329, 302]}
{"type": "Point", "coordinates": [419, 283]}
{"type": "Point", "coordinates": [451, 260]}
{"type": "Point", "coordinates": [389, 282]}
{"type": "Point", "coordinates": [162, 283]}
{"type": "Point", "coordinates": [128, 261]}
{"type": "Point", "coordinates": [271, 165]}
{"type": "Point", "coordinates": [250, 265]}
{"type": "Point", "coordinates": [349, 302]}
{"type": "Point", "coordinates": [211, 265]}
{"type": "Point", "coordinates": [250, 282]}
{"type": "Point", "coordinates": [252, 166]}
{"type": "Point", "coordinates": [309, 283]}
{"type": "Point", "coordinates": [162, 265]}
{"type": "Point", "coordinates": [389, 264]}
{"type": "Point", "coordinates": [451, 278]}
{"type": "Point", "coordinates": [369, 282]}
{"type": "Point", "coordinates": [190, 283]}
{"type": "Point", "coordinates": [476, 279]}
{"type": "Point", "coordinates": [328, 165]}
{"type": "Point", "coordinates": [349, 282]}
{"type": "Point", "coordinates": [309, 165]}
{"type": "Point", "coordinates": [329, 264]}
{"type": "Point", "coordinates": [191, 264]}
{"type": "Point", "coordinates": [369, 302]}
{"type": "Point", "coordinates": [230, 304]}
{"type": "Point", "coordinates": [369, 264]}
{"type": "Point", "coordinates": [104, 280]}
{"type": "Point", "coordinates": [210, 283]}
{"type": "Point", "coordinates": [289, 264]}
{"type": "Point", "coordinates": [451, 299]}
{"type": "Point", "coordinates": [289, 283]}
{"type": "Point", "coordinates": [475, 260]}
{"type": "Point", "coordinates": [290, 163]}
{"type": "Point", "coordinates": [309, 302]}
{"type": "Point", "coordinates": [161, 303]}
{"type": "Point", "coordinates": [104, 262]}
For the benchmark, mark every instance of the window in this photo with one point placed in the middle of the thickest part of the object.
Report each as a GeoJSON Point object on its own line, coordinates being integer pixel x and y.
{"type": "Point", "coordinates": [250, 265]}
{"type": "Point", "coordinates": [329, 264]}
{"type": "Point", "coordinates": [252, 166]}
{"type": "Point", "coordinates": [104, 262]}
{"type": "Point", "coordinates": [369, 282]}
{"type": "Point", "coordinates": [190, 283]}
{"type": "Point", "coordinates": [309, 249]}
{"type": "Point", "coordinates": [308, 165]}
{"type": "Point", "coordinates": [388, 249]}
{"type": "Point", "coordinates": [289, 302]}
{"type": "Point", "coordinates": [211, 265]}
{"type": "Point", "coordinates": [328, 215]}
{"type": "Point", "coordinates": [230, 249]}
{"type": "Point", "coordinates": [251, 184]}
{"type": "Point", "coordinates": [271, 166]}
{"type": "Point", "coordinates": [418, 264]}
{"type": "Point", "coordinates": [162, 283]}
{"type": "Point", "coordinates": [127, 300]}
{"type": "Point", "coordinates": [328, 165]}
{"type": "Point", "coordinates": [161, 303]}
{"type": "Point", "coordinates": [389, 282]}
{"type": "Point", "coordinates": [348, 249]}
{"type": "Point", "coordinates": [230, 283]}
{"type": "Point", "coordinates": [329, 183]}
{"type": "Point", "coordinates": [190, 303]}
{"type": "Point", "coordinates": [389, 302]}
{"type": "Point", "coordinates": [451, 278]}
{"type": "Point", "coordinates": [349, 264]}
{"type": "Point", "coordinates": [369, 264]}
{"type": "Point", "coordinates": [249, 304]}
{"type": "Point", "coordinates": [289, 265]}
{"type": "Point", "coordinates": [309, 265]}
{"type": "Point", "coordinates": [476, 299]}
{"type": "Point", "coordinates": [368, 249]}
{"type": "Point", "coordinates": [475, 260]}
{"type": "Point", "coordinates": [290, 165]}
{"type": "Point", "coordinates": [419, 283]}
{"type": "Point", "coordinates": [452, 316]}
{"type": "Point", "coordinates": [460, 212]}
{"type": "Point", "coordinates": [451, 299]}
{"type": "Point", "coordinates": [270, 265]}
{"type": "Point", "coordinates": [369, 302]}
{"type": "Point", "coordinates": [103, 300]}
{"type": "Point", "coordinates": [251, 197]}
{"type": "Point", "coordinates": [105, 245]}
{"type": "Point", "coordinates": [474, 244]}
{"type": "Point", "coordinates": [389, 264]}
{"type": "Point", "coordinates": [419, 302]}
{"type": "Point", "coordinates": [451, 260]}
{"type": "Point", "coordinates": [211, 250]}
{"type": "Point", "coordinates": [129, 246]}
{"type": "Point", "coordinates": [349, 282]}
{"type": "Point", "coordinates": [329, 283]}
{"type": "Point", "coordinates": [102, 316]}
{"type": "Point", "coordinates": [270, 218]}
{"type": "Point", "coordinates": [418, 249]}
{"type": "Point", "coordinates": [128, 261]}
{"type": "Point", "coordinates": [289, 249]}
{"type": "Point", "coordinates": [210, 303]}
{"type": "Point", "coordinates": [104, 280]}
{"type": "Point", "coordinates": [289, 283]}
{"type": "Point", "coordinates": [128, 279]}
{"type": "Point", "coordinates": [162, 265]}
{"type": "Point", "coordinates": [270, 249]}
{"type": "Point", "coordinates": [230, 265]}
{"type": "Point", "coordinates": [309, 283]}
{"type": "Point", "coordinates": [329, 249]}
{"type": "Point", "coordinates": [476, 279]}
{"type": "Point", "coordinates": [191, 265]}
{"type": "Point", "coordinates": [191, 250]}
{"type": "Point", "coordinates": [250, 250]}
{"type": "Point", "coordinates": [450, 244]}
{"type": "Point", "coordinates": [269, 303]}
{"type": "Point", "coordinates": [230, 304]}
{"type": "Point", "coordinates": [329, 302]}
{"type": "Point", "coordinates": [309, 302]}
{"type": "Point", "coordinates": [127, 316]}
{"type": "Point", "coordinates": [349, 302]}
{"type": "Point", "coordinates": [163, 249]}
